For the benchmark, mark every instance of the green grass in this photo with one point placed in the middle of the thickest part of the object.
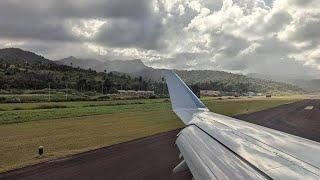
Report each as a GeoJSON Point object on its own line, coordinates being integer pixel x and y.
{"type": "Point", "coordinates": [40, 97]}
{"type": "Point", "coordinates": [74, 109]}
{"type": "Point", "coordinates": [234, 107]}
{"type": "Point", "coordinates": [32, 106]}
{"type": "Point", "coordinates": [25, 112]}
{"type": "Point", "coordinates": [61, 137]}
{"type": "Point", "coordinates": [81, 126]}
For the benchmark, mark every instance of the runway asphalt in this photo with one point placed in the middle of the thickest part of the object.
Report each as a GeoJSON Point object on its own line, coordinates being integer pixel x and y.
{"type": "Point", "coordinates": [154, 157]}
{"type": "Point", "coordinates": [297, 118]}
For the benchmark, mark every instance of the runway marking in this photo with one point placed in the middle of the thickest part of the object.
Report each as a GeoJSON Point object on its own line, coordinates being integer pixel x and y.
{"type": "Point", "coordinates": [309, 108]}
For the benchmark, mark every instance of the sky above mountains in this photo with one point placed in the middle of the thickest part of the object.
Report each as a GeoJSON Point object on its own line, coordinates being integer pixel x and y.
{"type": "Point", "coordinates": [279, 37]}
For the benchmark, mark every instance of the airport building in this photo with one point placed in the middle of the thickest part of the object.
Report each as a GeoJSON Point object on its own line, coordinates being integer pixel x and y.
{"type": "Point", "coordinates": [210, 93]}
{"type": "Point", "coordinates": [136, 93]}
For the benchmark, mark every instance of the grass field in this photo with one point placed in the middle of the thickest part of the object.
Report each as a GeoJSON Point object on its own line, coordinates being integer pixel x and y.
{"type": "Point", "coordinates": [72, 127]}
{"type": "Point", "coordinates": [23, 112]}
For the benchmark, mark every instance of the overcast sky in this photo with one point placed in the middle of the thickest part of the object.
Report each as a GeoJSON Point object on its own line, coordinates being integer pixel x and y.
{"type": "Point", "coordinates": [279, 37]}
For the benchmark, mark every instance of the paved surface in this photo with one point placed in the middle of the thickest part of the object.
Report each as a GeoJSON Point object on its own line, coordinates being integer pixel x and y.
{"type": "Point", "coordinates": [154, 157]}
{"type": "Point", "coordinates": [297, 119]}
{"type": "Point", "coordinates": [151, 158]}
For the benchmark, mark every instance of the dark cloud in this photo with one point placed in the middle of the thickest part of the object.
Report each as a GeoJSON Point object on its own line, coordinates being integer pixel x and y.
{"type": "Point", "coordinates": [102, 8]}
{"type": "Point", "coordinates": [48, 20]}
{"type": "Point", "coordinates": [145, 33]}
{"type": "Point", "coordinates": [75, 9]}
{"type": "Point", "coordinates": [44, 29]}
{"type": "Point", "coordinates": [269, 36]}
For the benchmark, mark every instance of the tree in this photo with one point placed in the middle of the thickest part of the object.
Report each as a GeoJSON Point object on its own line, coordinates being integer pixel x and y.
{"type": "Point", "coordinates": [195, 89]}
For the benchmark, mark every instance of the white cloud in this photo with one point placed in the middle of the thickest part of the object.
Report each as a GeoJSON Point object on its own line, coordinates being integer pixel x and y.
{"type": "Point", "coordinates": [232, 35]}
{"type": "Point", "coordinates": [86, 28]}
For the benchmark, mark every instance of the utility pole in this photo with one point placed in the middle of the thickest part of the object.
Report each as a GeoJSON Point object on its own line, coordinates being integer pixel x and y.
{"type": "Point", "coordinates": [66, 92]}
{"type": "Point", "coordinates": [162, 85]}
{"type": "Point", "coordinates": [49, 92]}
{"type": "Point", "coordinates": [102, 88]}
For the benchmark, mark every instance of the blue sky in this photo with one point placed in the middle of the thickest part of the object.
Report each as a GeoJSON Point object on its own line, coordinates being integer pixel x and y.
{"type": "Point", "coordinates": [269, 2]}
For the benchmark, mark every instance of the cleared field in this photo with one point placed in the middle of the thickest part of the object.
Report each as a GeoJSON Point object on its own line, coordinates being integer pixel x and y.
{"type": "Point", "coordinates": [95, 124]}
{"type": "Point", "coordinates": [43, 111]}
{"type": "Point", "coordinates": [51, 105]}
{"type": "Point", "coordinates": [60, 137]}
{"type": "Point", "coordinates": [232, 107]}
{"type": "Point", "coordinates": [25, 112]}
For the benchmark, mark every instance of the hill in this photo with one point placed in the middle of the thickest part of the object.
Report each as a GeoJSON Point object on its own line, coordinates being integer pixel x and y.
{"type": "Point", "coordinates": [18, 56]}
{"type": "Point", "coordinates": [134, 68]}
{"type": "Point", "coordinates": [207, 79]}
{"type": "Point", "coordinates": [313, 84]}
{"type": "Point", "coordinates": [224, 81]}
{"type": "Point", "coordinates": [304, 82]}
{"type": "Point", "coordinates": [26, 70]}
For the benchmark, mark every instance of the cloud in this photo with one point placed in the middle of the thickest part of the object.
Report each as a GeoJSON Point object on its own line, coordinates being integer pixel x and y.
{"type": "Point", "coordinates": [248, 36]}
{"type": "Point", "coordinates": [145, 33]}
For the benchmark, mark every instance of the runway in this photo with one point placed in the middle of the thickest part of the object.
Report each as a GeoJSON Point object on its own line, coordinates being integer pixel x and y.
{"type": "Point", "coordinates": [301, 118]}
{"type": "Point", "coordinates": [154, 157]}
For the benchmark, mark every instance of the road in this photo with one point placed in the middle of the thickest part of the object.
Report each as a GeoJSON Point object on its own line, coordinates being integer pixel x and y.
{"type": "Point", "coordinates": [154, 157]}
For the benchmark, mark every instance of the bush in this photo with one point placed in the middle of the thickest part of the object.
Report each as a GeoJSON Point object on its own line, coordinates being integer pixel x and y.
{"type": "Point", "coordinates": [102, 98]}
{"type": "Point", "coordinates": [3, 99]}
{"type": "Point", "coordinates": [49, 106]}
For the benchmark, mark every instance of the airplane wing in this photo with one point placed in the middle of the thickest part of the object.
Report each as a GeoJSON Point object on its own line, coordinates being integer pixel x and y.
{"type": "Point", "coordinates": [215, 146]}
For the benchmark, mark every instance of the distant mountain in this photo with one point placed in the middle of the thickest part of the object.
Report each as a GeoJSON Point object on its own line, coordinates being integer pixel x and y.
{"type": "Point", "coordinates": [227, 81]}
{"type": "Point", "coordinates": [24, 70]}
{"type": "Point", "coordinates": [209, 79]}
{"type": "Point", "coordinates": [33, 71]}
{"type": "Point", "coordinates": [312, 85]}
{"type": "Point", "coordinates": [15, 55]}
{"type": "Point", "coordinates": [280, 78]}
{"type": "Point", "coordinates": [134, 68]}
{"type": "Point", "coordinates": [82, 63]}
{"type": "Point", "coordinates": [304, 82]}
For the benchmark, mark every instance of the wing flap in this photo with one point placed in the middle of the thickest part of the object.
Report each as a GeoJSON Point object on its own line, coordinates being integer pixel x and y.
{"type": "Point", "coordinates": [262, 149]}
{"type": "Point", "coordinates": [295, 147]}
{"type": "Point", "coordinates": [208, 159]}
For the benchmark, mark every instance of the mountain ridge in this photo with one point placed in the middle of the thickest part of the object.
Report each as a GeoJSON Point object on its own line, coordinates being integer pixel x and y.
{"type": "Point", "coordinates": [305, 82]}
{"type": "Point", "coordinates": [24, 70]}
{"type": "Point", "coordinates": [20, 56]}
{"type": "Point", "coordinates": [136, 68]}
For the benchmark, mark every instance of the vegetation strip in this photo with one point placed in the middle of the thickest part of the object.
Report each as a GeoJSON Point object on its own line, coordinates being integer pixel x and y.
{"type": "Point", "coordinates": [120, 123]}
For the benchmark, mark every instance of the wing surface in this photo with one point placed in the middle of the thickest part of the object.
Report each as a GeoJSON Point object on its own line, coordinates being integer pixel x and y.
{"type": "Point", "coordinates": [215, 146]}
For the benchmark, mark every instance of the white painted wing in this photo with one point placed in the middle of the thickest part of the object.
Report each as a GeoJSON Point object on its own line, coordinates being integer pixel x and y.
{"type": "Point", "coordinates": [219, 147]}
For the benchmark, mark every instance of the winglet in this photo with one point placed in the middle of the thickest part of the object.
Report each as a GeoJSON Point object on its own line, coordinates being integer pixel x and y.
{"type": "Point", "coordinates": [184, 102]}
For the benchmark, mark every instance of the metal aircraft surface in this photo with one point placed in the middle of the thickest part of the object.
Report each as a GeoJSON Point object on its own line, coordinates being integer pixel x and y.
{"type": "Point", "coordinates": [215, 146]}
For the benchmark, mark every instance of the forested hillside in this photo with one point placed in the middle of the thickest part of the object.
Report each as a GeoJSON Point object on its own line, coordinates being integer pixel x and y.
{"type": "Point", "coordinates": [203, 79]}
{"type": "Point", "coordinates": [25, 70]}
{"type": "Point", "coordinates": [223, 81]}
